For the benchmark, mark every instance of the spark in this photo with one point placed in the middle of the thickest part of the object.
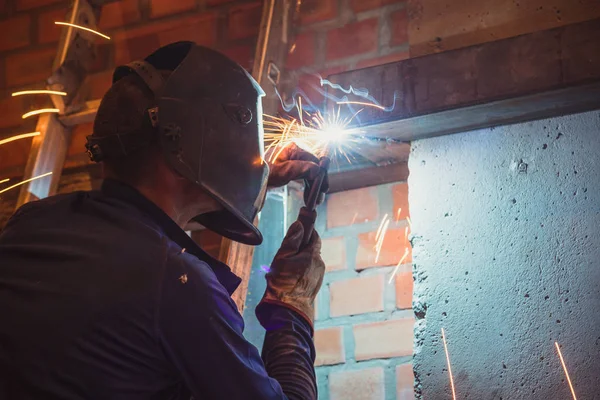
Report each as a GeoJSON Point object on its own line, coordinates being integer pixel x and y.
{"type": "Point", "coordinates": [25, 92]}
{"type": "Point", "coordinates": [399, 264]}
{"type": "Point", "coordinates": [354, 218]}
{"type": "Point", "coordinates": [24, 182]}
{"type": "Point", "coordinates": [409, 222]}
{"type": "Point", "coordinates": [82, 28]}
{"type": "Point", "coordinates": [292, 48]}
{"type": "Point", "coordinates": [380, 236]}
{"type": "Point", "coordinates": [398, 214]}
{"type": "Point", "coordinates": [361, 103]}
{"type": "Point", "coordinates": [562, 361]}
{"type": "Point", "coordinates": [449, 367]}
{"type": "Point", "coordinates": [4, 180]}
{"type": "Point", "coordinates": [40, 111]}
{"type": "Point", "coordinates": [17, 137]}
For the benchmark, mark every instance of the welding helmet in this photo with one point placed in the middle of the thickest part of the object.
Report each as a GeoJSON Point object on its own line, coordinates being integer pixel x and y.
{"type": "Point", "coordinates": [208, 121]}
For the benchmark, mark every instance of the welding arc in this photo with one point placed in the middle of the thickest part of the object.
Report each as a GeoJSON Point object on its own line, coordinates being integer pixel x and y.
{"type": "Point", "coordinates": [449, 367]}
{"type": "Point", "coordinates": [17, 137]}
{"type": "Point", "coordinates": [24, 182]}
{"type": "Point", "coordinates": [82, 28]}
{"type": "Point", "coordinates": [562, 361]}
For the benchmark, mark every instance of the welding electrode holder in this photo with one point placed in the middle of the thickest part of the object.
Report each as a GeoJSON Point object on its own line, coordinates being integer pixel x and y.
{"type": "Point", "coordinates": [308, 214]}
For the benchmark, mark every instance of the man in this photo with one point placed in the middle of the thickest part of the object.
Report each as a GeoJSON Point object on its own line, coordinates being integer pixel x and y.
{"type": "Point", "coordinates": [104, 296]}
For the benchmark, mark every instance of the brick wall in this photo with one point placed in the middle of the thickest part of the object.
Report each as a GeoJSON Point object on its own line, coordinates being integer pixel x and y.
{"type": "Point", "coordinates": [364, 321]}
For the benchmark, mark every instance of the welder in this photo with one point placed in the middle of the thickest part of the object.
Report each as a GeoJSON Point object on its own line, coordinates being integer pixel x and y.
{"type": "Point", "coordinates": [103, 295]}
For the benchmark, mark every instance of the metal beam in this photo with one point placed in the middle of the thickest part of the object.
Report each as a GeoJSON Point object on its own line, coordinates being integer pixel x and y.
{"type": "Point", "coordinates": [538, 75]}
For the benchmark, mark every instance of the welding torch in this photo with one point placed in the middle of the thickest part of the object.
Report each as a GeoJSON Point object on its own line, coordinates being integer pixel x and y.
{"type": "Point", "coordinates": [308, 214]}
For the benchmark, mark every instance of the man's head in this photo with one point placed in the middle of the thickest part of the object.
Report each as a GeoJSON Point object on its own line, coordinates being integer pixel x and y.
{"type": "Point", "coordinates": [190, 112]}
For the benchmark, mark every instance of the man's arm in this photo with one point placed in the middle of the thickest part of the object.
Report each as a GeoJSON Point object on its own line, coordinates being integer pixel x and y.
{"type": "Point", "coordinates": [200, 331]}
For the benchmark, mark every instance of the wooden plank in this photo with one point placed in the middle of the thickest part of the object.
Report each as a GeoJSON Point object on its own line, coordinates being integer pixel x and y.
{"type": "Point", "coordinates": [271, 50]}
{"type": "Point", "coordinates": [538, 75]}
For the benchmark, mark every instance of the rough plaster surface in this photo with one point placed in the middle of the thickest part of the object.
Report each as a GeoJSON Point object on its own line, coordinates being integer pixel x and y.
{"type": "Point", "coordinates": [506, 248]}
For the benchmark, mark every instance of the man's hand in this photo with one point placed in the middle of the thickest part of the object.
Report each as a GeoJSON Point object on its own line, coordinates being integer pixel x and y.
{"type": "Point", "coordinates": [294, 163]}
{"type": "Point", "coordinates": [296, 273]}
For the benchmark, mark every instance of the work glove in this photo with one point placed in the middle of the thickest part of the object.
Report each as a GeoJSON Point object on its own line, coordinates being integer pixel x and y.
{"type": "Point", "coordinates": [294, 163]}
{"type": "Point", "coordinates": [296, 273]}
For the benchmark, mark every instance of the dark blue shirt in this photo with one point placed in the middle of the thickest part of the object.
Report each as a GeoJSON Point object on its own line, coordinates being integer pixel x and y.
{"type": "Point", "coordinates": [100, 301]}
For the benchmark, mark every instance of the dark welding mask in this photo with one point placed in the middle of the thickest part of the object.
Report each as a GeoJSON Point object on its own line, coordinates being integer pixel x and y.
{"type": "Point", "coordinates": [208, 120]}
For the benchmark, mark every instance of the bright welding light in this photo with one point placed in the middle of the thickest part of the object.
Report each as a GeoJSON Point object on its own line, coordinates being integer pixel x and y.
{"type": "Point", "coordinates": [40, 111]}
{"type": "Point", "coordinates": [25, 92]}
{"type": "Point", "coordinates": [83, 28]}
{"type": "Point", "coordinates": [17, 137]}
{"type": "Point", "coordinates": [333, 133]}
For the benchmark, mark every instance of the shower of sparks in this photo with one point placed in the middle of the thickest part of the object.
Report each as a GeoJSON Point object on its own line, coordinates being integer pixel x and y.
{"type": "Point", "coordinates": [449, 367]}
{"type": "Point", "coordinates": [380, 236]}
{"type": "Point", "coordinates": [398, 265]}
{"type": "Point", "coordinates": [24, 182]}
{"type": "Point", "coordinates": [17, 137]}
{"type": "Point", "coordinates": [82, 28]}
{"type": "Point", "coordinates": [362, 103]}
{"type": "Point", "coordinates": [40, 111]}
{"type": "Point", "coordinates": [562, 361]}
{"type": "Point", "coordinates": [26, 92]}
{"type": "Point", "coordinates": [4, 180]}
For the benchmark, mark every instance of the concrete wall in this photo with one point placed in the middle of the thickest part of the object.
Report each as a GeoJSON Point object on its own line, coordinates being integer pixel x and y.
{"type": "Point", "coordinates": [506, 253]}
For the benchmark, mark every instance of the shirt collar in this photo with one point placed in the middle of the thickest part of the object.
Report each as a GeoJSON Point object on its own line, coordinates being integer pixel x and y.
{"type": "Point", "coordinates": [122, 191]}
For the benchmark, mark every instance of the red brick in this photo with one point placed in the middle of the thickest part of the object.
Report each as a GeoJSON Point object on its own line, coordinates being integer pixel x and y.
{"type": "Point", "coordinates": [356, 296]}
{"type": "Point", "coordinates": [384, 339]}
{"type": "Point", "coordinates": [317, 10]}
{"type": "Point", "coordinates": [99, 84]}
{"type": "Point", "coordinates": [139, 42]}
{"type": "Point", "coordinates": [405, 382]}
{"type": "Point", "coordinates": [12, 109]}
{"type": "Point", "coordinates": [135, 48]}
{"type": "Point", "coordinates": [352, 39]}
{"type": "Point", "coordinates": [242, 54]}
{"type": "Point", "coordinates": [244, 20]}
{"type": "Point", "coordinates": [329, 344]}
{"type": "Point", "coordinates": [400, 198]}
{"type": "Point", "coordinates": [394, 244]}
{"type": "Point", "coordinates": [352, 207]}
{"type": "Point", "coordinates": [160, 8]}
{"type": "Point", "coordinates": [303, 53]}
{"type": "Point", "coordinates": [201, 29]}
{"type": "Point", "coordinates": [363, 5]}
{"type": "Point", "coordinates": [404, 290]}
{"type": "Point", "coordinates": [333, 252]}
{"type": "Point", "coordinates": [48, 31]}
{"type": "Point", "coordinates": [399, 27]}
{"type": "Point", "coordinates": [364, 384]}
{"type": "Point", "coordinates": [371, 62]}
{"type": "Point", "coordinates": [15, 154]}
{"type": "Point", "coordinates": [29, 67]}
{"type": "Point", "coordinates": [15, 32]}
{"type": "Point", "coordinates": [29, 4]}
{"type": "Point", "coordinates": [119, 13]}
